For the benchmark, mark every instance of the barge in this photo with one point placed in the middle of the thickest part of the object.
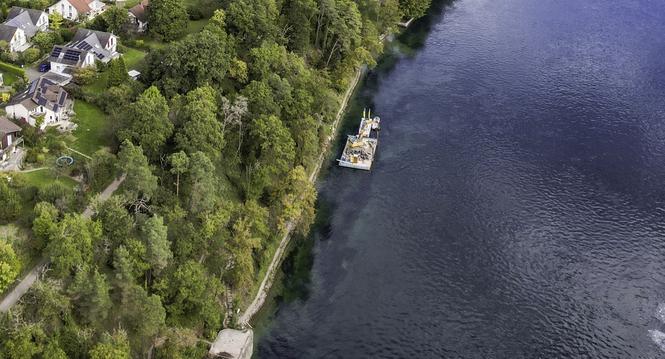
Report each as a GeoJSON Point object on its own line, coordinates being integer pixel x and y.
{"type": "Point", "coordinates": [360, 149]}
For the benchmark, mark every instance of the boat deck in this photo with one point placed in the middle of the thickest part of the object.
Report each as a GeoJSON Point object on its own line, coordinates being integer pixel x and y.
{"type": "Point", "coordinates": [360, 149]}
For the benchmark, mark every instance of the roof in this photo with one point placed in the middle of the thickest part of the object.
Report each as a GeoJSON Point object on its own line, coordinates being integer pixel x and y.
{"type": "Point", "coordinates": [7, 32]}
{"type": "Point", "coordinates": [82, 6]}
{"type": "Point", "coordinates": [7, 126]}
{"type": "Point", "coordinates": [25, 19]}
{"type": "Point", "coordinates": [139, 10]}
{"type": "Point", "coordinates": [231, 343]}
{"type": "Point", "coordinates": [85, 41]}
{"type": "Point", "coordinates": [42, 92]}
{"type": "Point", "coordinates": [133, 73]}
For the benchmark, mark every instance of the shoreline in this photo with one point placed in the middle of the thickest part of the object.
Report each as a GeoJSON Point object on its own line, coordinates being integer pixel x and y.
{"type": "Point", "coordinates": [266, 284]}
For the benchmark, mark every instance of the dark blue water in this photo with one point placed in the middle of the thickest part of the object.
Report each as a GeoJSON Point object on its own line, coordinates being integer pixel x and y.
{"type": "Point", "coordinates": [516, 209]}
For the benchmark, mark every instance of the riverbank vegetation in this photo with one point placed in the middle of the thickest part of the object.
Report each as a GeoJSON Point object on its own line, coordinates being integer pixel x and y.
{"type": "Point", "coordinates": [217, 141]}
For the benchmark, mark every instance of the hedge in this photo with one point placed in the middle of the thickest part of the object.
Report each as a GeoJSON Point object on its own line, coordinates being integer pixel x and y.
{"type": "Point", "coordinates": [12, 69]}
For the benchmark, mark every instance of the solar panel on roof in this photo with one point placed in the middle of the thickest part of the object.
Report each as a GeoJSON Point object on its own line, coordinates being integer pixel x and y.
{"type": "Point", "coordinates": [61, 100]}
{"type": "Point", "coordinates": [84, 46]}
{"type": "Point", "coordinates": [56, 52]}
{"type": "Point", "coordinates": [100, 56]}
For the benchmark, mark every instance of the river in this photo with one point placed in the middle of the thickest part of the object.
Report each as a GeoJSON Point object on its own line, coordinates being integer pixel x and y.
{"type": "Point", "coordinates": [516, 208]}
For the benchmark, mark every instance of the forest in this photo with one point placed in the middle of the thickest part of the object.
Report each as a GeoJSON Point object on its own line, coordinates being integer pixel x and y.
{"type": "Point", "coordinates": [217, 141]}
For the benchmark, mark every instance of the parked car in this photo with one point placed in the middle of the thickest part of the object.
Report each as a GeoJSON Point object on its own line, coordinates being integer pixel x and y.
{"type": "Point", "coordinates": [45, 67]}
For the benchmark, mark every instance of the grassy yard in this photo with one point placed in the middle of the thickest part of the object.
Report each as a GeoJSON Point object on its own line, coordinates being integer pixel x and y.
{"type": "Point", "coordinates": [133, 58]}
{"type": "Point", "coordinates": [94, 128]}
{"type": "Point", "coordinates": [9, 78]}
{"type": "Point", "coordinates": [43, 177]}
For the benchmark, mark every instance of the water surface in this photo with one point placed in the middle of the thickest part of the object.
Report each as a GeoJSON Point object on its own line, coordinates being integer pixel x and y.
{"type": "Point", "coordinates": [516, 207]}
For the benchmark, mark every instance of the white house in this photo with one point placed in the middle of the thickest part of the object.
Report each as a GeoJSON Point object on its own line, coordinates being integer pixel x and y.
{"type": "Point", "coordinates": [77, 9]}
{"type": "Point", "coordinates": [31, 21]}
{"type": "Point", "coordinates": [14, 37]}
{"type": "Point", "coordinates": [86, 47]}
{"type": "Point", "coordinates": [43, 101]}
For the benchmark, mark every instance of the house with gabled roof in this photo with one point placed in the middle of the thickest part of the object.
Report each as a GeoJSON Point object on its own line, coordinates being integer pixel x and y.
{"type": "Point", "coordinates": [77, 9]}
{"type": "Point", "coordinates": [43, 104]}
{"type": "Point", "coordinates": [86, 47]}
{"type": "Point", "coordinates": [31, 21]}
{"type": "Point", "coordinates": [138, 16]}
{"type": "Point", "coordinates": [14, 37]}
{"type": "Point", "coordinates": [10, 138]}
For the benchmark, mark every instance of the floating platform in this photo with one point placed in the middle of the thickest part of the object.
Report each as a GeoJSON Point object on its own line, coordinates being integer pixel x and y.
{"type": "Point", "coordinates": [360, 149]}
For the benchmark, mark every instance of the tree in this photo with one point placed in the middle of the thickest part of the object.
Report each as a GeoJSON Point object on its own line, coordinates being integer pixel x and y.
{"type": "Point", "coordinates": [115, 19]}
{"type": "Point", "coordinates": [45, 40]}
{"type": "Point", "coordinates": [193, 296]}
{"type": "Point", "coordinates": [140, 182]}
{"type": "Point", "coordinates": [158, 247]}
{"type": "Point", "coordinates": [297, 199]}
{"type": "Point", "coordinates": [179, 164]}
{"type": "Point", "coordinates": [25, 342]}
{"type": "Point", "coordinates": [243, 241]}
{"type": "Point", "coordinates": [202, 186]}
{"type": "Point", "coordinates": [11, 202]}
{"type": "Point", "coordinates": [201, 130]}
{"type": "Point", "coordinates": [167, 18]}
{"type": "Point", "coordinates": [117, 223]}
{"type": "Point", "coordinates": [44, 226]}
{"type": "Point", "coordinates": [112, 346]}
{"type": "Point", "coordinates": [117, 72]}
{"type": "Point", "coordinates": [414, 8]}
{"type": "Point", "coordinates": [9, 265]}
{"type": "Point", "coordinates": [295, 14]}
{"type": "Point", "coordinates": [273, 153]}
{"type": "Point", "coordinates": [100, 169]}
{"type": "Point", "coordinates": [253, 21]}
{"type": "Point", "coordinates": [70, 244]}
{"type": "Point", "coordinates": [53, 351]}
{"type": "Point", "coordinates": [90, 292]}
{"type": "Point", "coordinates": [142, 315]}
{"type": "Point", "coordinates": [55, 21]}
{"type": "Point", "coordinates": [147, 123]}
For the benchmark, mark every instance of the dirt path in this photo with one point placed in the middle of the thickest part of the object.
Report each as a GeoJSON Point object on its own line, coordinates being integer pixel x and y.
{"type": "Point", "coordinates": [266, 283]}
{"type": "Point", "coordinates": [29, 280]}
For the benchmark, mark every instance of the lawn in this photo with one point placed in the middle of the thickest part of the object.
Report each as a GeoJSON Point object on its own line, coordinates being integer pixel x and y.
{"type": "Point", "coordinates": [8, 77]}
{"type": "Point", "coordinates": [43, 177]}
{"type": "Point", "coordinates": [133, 57]}
{"type": "Point", "coordinates": [94, 128]}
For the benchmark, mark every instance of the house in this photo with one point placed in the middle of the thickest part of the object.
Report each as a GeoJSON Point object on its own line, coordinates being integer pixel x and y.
{"type": "Point", "coordinates": [14, 37]}
{"type": "Point", "coordinates": [133, 74]}
{"type": "Point", "coordinates": [9, 138]}
{"type": "Point", "coordinates": [77, 9]}
{"type": "Point", "coordinates": [138, 16]}
{"type": "Point", "coordinates": [44, 103]}
{"type": "Point", "coordinates": [31, 21]}
{"type": "Point", "coordinates": [86, 47]}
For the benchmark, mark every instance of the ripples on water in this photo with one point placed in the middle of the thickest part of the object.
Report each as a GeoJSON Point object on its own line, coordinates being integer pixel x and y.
{"type": "Point", "coordinates": [516, 208]}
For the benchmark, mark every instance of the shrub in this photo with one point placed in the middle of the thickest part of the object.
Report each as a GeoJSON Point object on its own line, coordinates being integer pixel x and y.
{"type": "Point", "coordinates": [9, 265]}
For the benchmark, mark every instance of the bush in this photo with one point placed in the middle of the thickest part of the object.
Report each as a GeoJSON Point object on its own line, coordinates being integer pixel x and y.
{"type": "Point", "coordinates": [57, 194]}
{"type": "Point", "coordinates": [9, 265]}
{"type": "Point", "coordinates": [30, 55]}
{"type": "Point", "coordinates": [85, 76]}
{"type": "Point", "coordinates": [11, 202]}
{"type": "Point", "coordinates": [19, 72]}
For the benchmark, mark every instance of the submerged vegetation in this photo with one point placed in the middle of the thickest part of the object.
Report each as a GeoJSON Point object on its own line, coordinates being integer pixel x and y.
{"type": "Point", "coordinates": [217, 141]}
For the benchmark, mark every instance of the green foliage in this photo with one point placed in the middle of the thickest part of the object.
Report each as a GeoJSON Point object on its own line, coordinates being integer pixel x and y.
{"type": "Point", "coordinates": [147, 123]}
{"type": "Point", "coordinates": [70, 244]}
{"type": "Point", "coordinates": [92, 301]}
{"type": "Point", "coordinates": [253, 21]}
{"type": "Point", "coordinates": [140, 182]}
{"type": "Point", "coordinates": [117, 71]}
{"type": "Point", "coordinates": [44, 41]}
{"type": "Point", "coordinates": [201, 130]}
{"type": "Point", "coordinates": [158, 251]}
{"type": "Point", "coordinates": [112, 346]}
{"type": "Point", "coordinates": [273, 154]}
{"type": "Point", "coordinates": [11, 202]}
{"type": "Point", "coordinates": [9, 265]}
{"type": "Point", "coordinates": [414, 8]}
{"type": "Point", "coordinates": [167, 18]}
{"type": "Point", "coordinates": [100, 169]}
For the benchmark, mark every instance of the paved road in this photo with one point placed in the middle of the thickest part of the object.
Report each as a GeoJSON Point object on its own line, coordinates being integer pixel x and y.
{"type": "Point", "coordinates": [32, 276]}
